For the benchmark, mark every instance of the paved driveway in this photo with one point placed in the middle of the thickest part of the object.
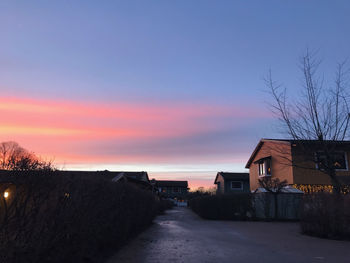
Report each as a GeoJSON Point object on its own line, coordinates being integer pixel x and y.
{"type": "Point", "coordinates": [181, 236]}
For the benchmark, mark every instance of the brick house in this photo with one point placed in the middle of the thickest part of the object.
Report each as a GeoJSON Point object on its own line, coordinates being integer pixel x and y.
{"type": "Point", "coordinates": [231, 183]}
{"type": "Point", "coordinates": [297, 162]}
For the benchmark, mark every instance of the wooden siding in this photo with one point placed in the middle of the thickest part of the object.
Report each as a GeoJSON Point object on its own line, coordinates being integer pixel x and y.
{"type": "Point", "coordinates": [229, 190]}
{"type": "Point", "coordinates": [220, 180]}
{"type": "Point", "coordinates": [304, 168]}
{"type": "Point", "coordinates": [280, 153]}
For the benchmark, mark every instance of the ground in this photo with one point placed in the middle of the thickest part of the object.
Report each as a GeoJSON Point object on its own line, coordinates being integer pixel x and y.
{"type": "Point", "coordinates": [182, 236]}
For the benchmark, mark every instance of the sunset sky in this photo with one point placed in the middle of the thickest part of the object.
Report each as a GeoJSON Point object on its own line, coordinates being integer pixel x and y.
{"type": "Point", "coordinates": [174, 88]}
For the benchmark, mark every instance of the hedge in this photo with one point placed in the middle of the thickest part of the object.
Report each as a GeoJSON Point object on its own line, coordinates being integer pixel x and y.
{"type": "Point", "coordinates": [326, 215]}
{"type": "Point", "coordinates": [57, 218]}
{"type": "Point", "coordinates": [223, 207]}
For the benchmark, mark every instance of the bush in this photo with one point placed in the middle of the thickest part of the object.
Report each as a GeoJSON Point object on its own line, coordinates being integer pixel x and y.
{"type": "Point", "coordinates": [58, 218]}
{"type": "Point", "coordinates": [164, 205]}
{"type": "Point", "coordinates": [326, 215]}
{"type": "Point", "coordinates": [223, 207]}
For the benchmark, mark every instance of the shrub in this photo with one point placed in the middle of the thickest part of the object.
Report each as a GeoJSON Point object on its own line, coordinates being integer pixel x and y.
{"type": "Point", "coordinates": [326, 215]}
{"type": "Point", "coordinates": [226, 207]}
{"type": "Point", "coordinates": [58, 218]}
{"type": "Point", "coordinates": [164, 205]}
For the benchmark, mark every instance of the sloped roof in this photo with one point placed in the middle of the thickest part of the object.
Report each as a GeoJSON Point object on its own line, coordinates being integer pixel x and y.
{"type": "Point", "coordinates": [290, 141]}
{"type": "Point", "coordinates": [142, 176]}
{"type": "Point", "coordinates": [166, 183]}
{"type": "Point", "coordinates": [232, 176]}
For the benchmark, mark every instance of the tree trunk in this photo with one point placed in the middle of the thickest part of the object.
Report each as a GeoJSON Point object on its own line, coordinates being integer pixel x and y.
{"type": "Point", "coordinates": [335, 182]}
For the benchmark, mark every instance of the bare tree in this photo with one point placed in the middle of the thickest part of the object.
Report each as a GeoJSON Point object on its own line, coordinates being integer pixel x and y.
{"type": "Point", "coordinates": [319, 116]}
{"type": "Point", "coordinates": [8, 150]}
{"type": "Point", "coordinates": [14, 157]}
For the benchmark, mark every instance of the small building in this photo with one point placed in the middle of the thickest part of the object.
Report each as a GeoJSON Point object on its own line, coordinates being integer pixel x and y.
{"type": "Point", "coordinates": [172, 189]}
{"type": "Point", "coordinates": [231, 183]}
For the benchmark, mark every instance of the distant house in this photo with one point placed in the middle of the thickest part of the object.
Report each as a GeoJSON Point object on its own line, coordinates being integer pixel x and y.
{"type": "Point", "coordinates": [139, 179]}
{"type": "Point", "coordinates": [230, 183]}
{"type": "Point", "coordinates": [172, 189]}
{"type": "Point", "coordinates": [297, 162]}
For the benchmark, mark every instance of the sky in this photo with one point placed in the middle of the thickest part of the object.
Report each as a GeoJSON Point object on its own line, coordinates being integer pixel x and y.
{"type": "Point", "coordinates": [174, 88]}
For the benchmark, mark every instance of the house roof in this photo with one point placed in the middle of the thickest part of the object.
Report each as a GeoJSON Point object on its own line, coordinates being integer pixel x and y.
{"type": "Point", "coordinates": [290, 141]}
{"type": "Point", "coordinates": [141, 176]}
{"type": "Point", "coordinates": [165, 183]}
{"type": "Point", "coordinates": [232, 176]}
{"type": "Point", "coordinates": [263, 159]}
{"type": "Point", "coordinates": [258, 147]}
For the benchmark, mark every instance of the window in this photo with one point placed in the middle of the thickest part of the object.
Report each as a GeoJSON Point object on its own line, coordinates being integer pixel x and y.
{"type": "Point", "coordinates": [176, 190]}
{"type": "Point", "coordinates": [236, 185]}
{"type": "Point", "coordinates": [338, 159]}
{"type": "Point", "coordinates": [264, 167]}
{"type": "Point", "coordinates": [268, 166]}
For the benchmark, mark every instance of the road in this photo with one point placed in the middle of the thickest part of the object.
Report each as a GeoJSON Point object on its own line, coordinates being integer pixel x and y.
{"type": "Point", "coordinates": [182, 236]}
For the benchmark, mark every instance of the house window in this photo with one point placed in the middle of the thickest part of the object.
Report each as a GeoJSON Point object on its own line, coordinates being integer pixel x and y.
{"type": "Point", "coordinates": [338, 159]}
{"type": "Point", "coordinates": [237, 185]}
{"type": "Point", "coordinates": [261, 168]}
{"type": "Point", "coordinates": [265, 167]}
{"type": "Point", "coordinates": [176, 190]}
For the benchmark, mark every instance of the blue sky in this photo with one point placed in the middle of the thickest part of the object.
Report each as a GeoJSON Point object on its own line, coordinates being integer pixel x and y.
{"type": "Point", "coordinates": [159, 53]}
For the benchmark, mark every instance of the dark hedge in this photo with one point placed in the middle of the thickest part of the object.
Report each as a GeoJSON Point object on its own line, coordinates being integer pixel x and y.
{"type": "Point", "coordinates": [56, 218]}
{"type": "Point", "coordinates": [326, 215]}
{"type": "Point", "coordinates": [223, 207]}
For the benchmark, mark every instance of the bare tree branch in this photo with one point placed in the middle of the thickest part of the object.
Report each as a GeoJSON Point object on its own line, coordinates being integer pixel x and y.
{"type": "Point", "coordinates": [319, 114]}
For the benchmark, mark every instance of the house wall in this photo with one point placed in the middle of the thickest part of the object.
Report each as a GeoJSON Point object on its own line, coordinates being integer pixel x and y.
{"type": "Point", "coordinates": [304, 168]}
{"type": "Point", "coordinates": [220, 180]}
{"type": "Point", "coordinates": [281, 168]}
{"type": "Point", "coordinates": [168, 191]}
{"type": "Point", "coordinates": [228, 190]}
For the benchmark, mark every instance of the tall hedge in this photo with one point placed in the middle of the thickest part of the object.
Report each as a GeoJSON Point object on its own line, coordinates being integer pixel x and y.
{"type": "Point", "coordinates": [225, 207]}
{"type": "Point", "coordinates": [56, 218]}
{"type": "Point", "coordinates": [326, 215]}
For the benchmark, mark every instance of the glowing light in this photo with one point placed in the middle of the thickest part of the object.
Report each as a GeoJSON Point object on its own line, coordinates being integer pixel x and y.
{"type": "Point", "coordinates": [6, 194]}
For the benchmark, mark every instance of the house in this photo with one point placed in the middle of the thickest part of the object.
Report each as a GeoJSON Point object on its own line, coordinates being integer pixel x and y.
{"type": "Point", "coordinates": [172, 189]}
{"type": "Point", "coordinates": [231, 183]}
{"type": "Point", "coordinates": [139, 179]}
{"type": "Point", "coordinates": [297, 161]}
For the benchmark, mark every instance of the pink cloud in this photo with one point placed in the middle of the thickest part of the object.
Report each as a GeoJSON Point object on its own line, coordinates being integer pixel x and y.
{"type": "Point", "coordinates": [79, 132]}
{"type": "Point", "coordinates": [118, 120]}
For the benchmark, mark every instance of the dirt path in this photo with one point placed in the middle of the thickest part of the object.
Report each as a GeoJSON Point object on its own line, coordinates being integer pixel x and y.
{"type": "Point", "coordinates": [181, 236]}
